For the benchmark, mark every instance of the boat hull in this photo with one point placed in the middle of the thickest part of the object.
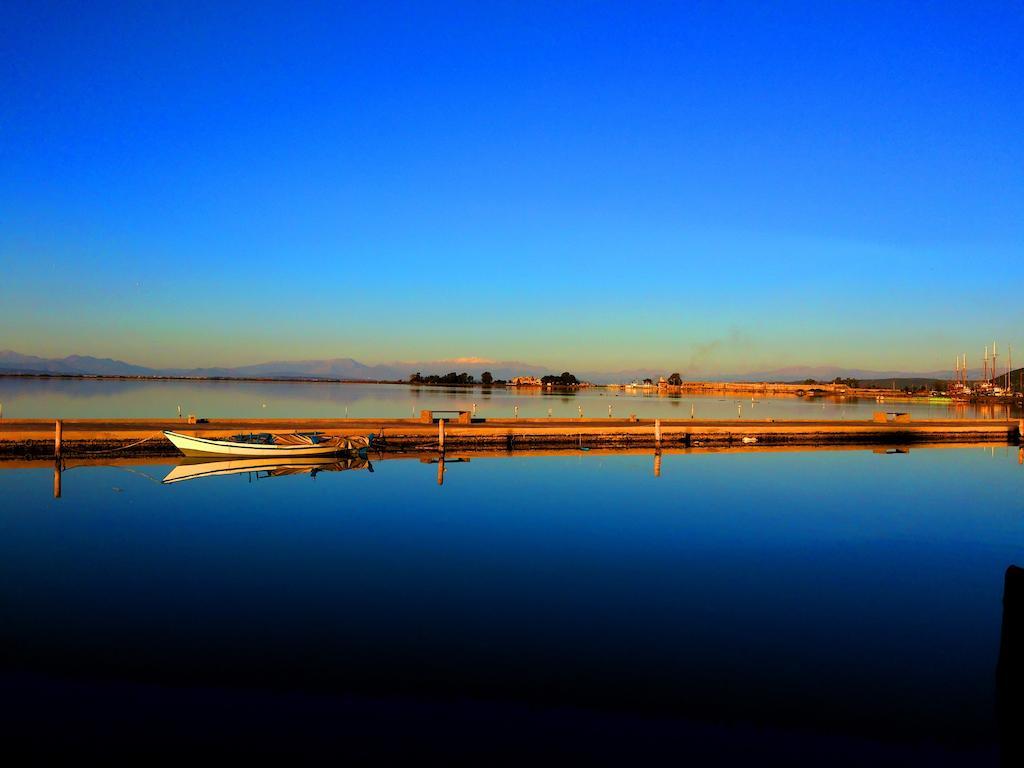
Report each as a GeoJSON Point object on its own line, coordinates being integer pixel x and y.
{"type": "Point", "coordinates": [204, 446]}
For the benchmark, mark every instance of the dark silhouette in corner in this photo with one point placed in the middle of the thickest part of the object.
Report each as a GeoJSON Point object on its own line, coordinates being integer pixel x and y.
{"type": "Point", "coordinates": [1010, 670]}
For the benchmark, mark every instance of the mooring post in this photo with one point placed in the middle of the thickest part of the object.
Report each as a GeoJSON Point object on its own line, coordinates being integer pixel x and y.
{"type": "Point", "coordinates": [1020, 430]}
{"type": "Point", "coordinates": [691, 410]}
{"type": "Point", "coordinates": [56, 479]}
{"type": "Point", "coordinates": [1010, 666]}
{"type": "Point", "coordinates": [657, 433]}
{"type": "Point", "coordinates": [58, 428]}
{"type": "Point", "coordinates": [515, 408]}
{"type": "Point", "coordinates": [440, 435]}
{"type": "Point", "coordinates": [440, 471]}
{"type": "Point", "coordinates": [657, 463]}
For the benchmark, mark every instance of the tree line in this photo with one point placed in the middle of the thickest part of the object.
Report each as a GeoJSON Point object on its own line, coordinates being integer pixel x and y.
{"type": "Point", "coordinates": [564, 379]}
{"type": "Point", "coordinates": [457, 379]}
{"type": "Point", "coordinates": [464, 379]}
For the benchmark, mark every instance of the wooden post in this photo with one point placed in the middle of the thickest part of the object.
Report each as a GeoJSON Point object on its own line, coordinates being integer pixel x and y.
{"type": "Point", "coordinates": [56, 479]}
{"type": "Point", "coordinates": [440, 471]}
{"type": "Point", "coordinates": [1020, 430]}
{"type": "Point", "coordinates": [59, 428]}
{"type": "Point", "coordinates": [691, 410]}
{"type": "Point", "coordinates": [440, 435]}
{"type": "Point", "coordinates": [657, 463]}
{"type": "Point", "coordinates": [657, 433]}
{"type": "Point", "coordinates": [1010, 666]}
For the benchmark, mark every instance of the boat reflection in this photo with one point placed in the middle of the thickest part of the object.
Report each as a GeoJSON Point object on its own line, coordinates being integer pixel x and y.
{"type": "Point", "coordinates": [261, 468]}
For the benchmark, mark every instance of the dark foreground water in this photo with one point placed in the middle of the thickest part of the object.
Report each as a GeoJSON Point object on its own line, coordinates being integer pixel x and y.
{"type": "Point", "coordinates": [818, 607]}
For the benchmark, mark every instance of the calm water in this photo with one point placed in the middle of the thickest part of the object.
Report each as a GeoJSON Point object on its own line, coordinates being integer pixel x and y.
{"type": "Point", "coordinates": [89, 398]}
{"type": "Point", "coordinates": [819, 606]}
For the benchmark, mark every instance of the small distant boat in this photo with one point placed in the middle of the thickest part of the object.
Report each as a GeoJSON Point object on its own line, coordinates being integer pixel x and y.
{"type": "Point", "coordinates": [267, 445]}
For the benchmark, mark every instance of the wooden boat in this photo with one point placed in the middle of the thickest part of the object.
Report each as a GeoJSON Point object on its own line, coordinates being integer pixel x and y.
{"type": "Point", "coordinates": [266, 444]}
{"type": "Point", "coordinates": [192, 469]}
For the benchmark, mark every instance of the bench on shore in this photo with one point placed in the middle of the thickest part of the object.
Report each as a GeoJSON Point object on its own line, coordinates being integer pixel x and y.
{"type": "Point", "coordinates": [897, 417]}
{"type": "Point", "coordinates": [462, 417]}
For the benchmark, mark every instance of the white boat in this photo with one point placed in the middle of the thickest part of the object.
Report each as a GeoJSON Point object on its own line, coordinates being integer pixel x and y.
{"type": "Point", "coordinates": [192, 469]}
{"type": "Point", "coordinates": [266, 444]}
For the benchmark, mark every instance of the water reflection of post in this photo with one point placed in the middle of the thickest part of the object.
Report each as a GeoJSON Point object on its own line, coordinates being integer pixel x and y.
{"type": "Point", "coordinates": [440, 469]}
{"type": "Point", "coordinates": [657, 463]}
{"type": "Point", "coordinates": [1010, 669]}
{"type": "Point", "coordinates": [56, 479]}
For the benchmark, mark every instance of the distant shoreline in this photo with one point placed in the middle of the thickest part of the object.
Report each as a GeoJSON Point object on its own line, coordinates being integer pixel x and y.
{"type": "Point", "coordinates": [687, 388]}
{"type": "Point", "coordinates": [265, 379]}
{"type": "Point", "coordinates": [121, 377]}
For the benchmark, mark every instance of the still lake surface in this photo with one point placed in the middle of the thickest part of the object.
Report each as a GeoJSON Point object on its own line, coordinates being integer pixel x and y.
{"type": "Point", "coordinates": [105, 398]}
{"type": "Point", "coordinates": [825, 606]}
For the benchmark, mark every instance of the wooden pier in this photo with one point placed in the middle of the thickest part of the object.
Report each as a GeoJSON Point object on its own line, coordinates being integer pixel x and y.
{"type": "Point", "coordinates": [143, 437]}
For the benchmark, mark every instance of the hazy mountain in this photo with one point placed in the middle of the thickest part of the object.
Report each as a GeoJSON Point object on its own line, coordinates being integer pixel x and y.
{"type": "Point", "coordinates": [337, 368]}
{"type": "Point", "coordinates": [333, 368]}
{"type": "Point", "coordinates": [13, 362]}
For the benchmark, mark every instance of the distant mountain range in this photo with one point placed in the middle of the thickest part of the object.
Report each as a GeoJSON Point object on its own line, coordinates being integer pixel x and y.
{"type": "Point", "coordinates": [13, 362]}
{"type": "Point", "coordinates": [333, 368]}
{"type": "Point", "coordinates": [349, 369]}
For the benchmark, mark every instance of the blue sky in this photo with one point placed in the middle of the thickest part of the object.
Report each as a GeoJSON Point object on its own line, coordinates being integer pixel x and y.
{"type": "Point", "coordinates": [716, 186]}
